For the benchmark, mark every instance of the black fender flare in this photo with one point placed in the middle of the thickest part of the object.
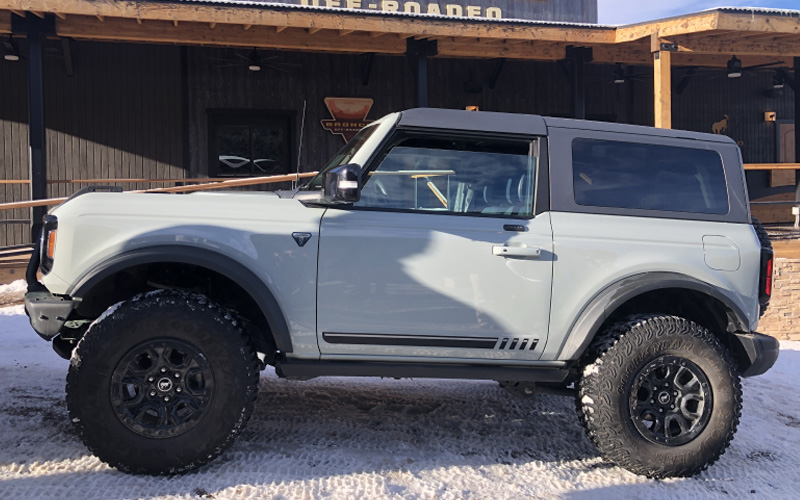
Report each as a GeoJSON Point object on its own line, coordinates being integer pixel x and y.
{"type": "Point", "coordinates": [584, 329]}
{"type": "Point", "coordinates": [208, 259]}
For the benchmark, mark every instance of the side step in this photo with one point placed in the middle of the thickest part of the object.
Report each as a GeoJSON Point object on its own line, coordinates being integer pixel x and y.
{"type": "Point", "coordinates": [305, 369]}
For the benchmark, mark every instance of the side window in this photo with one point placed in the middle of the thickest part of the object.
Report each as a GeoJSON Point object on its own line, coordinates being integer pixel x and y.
{"type": "Point", "coordinates": [648, 177]}
{"type": "Point", "coordinates": [454, 175]}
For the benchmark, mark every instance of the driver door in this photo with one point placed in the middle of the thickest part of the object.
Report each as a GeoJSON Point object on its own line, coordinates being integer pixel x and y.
{"type": "Point", "coordinates": [442, 257]}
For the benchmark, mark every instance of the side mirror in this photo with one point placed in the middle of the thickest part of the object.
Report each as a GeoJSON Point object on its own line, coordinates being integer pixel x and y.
{"type": "Point", "coordinates": [342, 184]}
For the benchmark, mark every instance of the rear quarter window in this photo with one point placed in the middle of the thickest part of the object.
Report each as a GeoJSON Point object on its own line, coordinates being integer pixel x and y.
{"type": "Point", "coordinates": [632, 175]}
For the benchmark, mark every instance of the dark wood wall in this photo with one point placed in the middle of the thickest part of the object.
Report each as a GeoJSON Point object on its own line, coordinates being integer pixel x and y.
{"type": "Point", "coordinates": [13, 149]}
{"type": "Point", "coordinates": [117, 116]}
{"type": "Point", "coordinates": [217, 82]}
{"type": "Point", "coordinates": [142, 110]}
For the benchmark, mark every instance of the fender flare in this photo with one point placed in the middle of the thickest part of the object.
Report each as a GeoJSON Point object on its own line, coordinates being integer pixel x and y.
{"type": "Point", "coordinates": [208, 259]}
{"type": "Point", "coordinates": [584, 329]}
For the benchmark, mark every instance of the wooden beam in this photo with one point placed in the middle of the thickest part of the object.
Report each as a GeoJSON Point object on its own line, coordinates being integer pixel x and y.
{"type": "Point", "coordinates": [772, 166]}
{"type": "Point", "coordinates": [60, 15]}
{"type": "Point", "coordinates": [211, 25]}
{"type": "Point", "coordinates": [279, 29]}
{"type": "Point", "coordinates": [694, 23]}
{"type": "Point", "coordinates": [740, 46]}
{"type": "Point", "coordinates": [85, 28]}
{"type": "Point", "coordinates": [662, 86]}
{"type": "Point", "coordinates": [247, 26]}
{"type": "Point", "coordinates": [345, 32]}
{"type": "Point", "coordinates": [764, 22]}
{"type": "Point", "coordinates": [38, 14]}
{"type": "Point", "coordinates": [175, 22]}
{"type": "Point", "coordinates": [338, 20]}
{"type": "Point", "coordinates": [101, 18]}
{"type": "Point", "coordinates": [376, 34]}
{"type": "Point", "coordinates": [312, 31]}
{"type": "Point", "coordinates": [20, 13]}
{"type": "Point", "coordinates": [5, 22]}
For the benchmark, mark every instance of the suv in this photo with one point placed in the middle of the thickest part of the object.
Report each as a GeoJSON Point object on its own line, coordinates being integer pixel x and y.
{"type": "Point", "coordinates": [617, 264]}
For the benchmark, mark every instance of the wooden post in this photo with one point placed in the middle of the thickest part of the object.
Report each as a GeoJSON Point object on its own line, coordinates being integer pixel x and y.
{"type": "Point", "coordinates": [662, 83]}
{"type": "Point", "coordinates": [797, 125]}
{"type": "Point", "coordinates": [418, 52]}
{"type": "Point", "coordinates": [36, 126]}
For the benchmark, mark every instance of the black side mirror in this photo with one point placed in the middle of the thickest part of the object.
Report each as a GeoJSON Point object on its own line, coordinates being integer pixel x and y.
{"type": "Point", "coordinates": [342, 184]}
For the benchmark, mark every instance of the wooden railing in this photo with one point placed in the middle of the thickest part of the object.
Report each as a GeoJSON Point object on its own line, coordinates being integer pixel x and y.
{"type": "Point", "coordinates": [205, 184]}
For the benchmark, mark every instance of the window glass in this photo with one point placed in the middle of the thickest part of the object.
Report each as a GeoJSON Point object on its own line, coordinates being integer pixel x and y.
{"type": "Point", "coordinates": [468, 176]}
{"type": "Point", "coordinates": [248, 146]}
{"type": "Point", "coordinates": [648, 177]}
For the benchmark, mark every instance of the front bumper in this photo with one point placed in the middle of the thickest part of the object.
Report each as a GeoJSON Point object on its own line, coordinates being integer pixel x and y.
{"type": "Point", "coordinates": [761, 351]}
{"type": "Point", "coordinates": [47, 312]}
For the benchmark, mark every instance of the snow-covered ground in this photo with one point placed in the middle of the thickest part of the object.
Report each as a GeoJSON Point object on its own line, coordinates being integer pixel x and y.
{"type": "Point", "coordinates": [372, 438]}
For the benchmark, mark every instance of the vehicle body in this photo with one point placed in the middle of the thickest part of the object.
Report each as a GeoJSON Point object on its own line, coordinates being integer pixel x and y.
{"type": "Point", "coordinates": [438, 243]}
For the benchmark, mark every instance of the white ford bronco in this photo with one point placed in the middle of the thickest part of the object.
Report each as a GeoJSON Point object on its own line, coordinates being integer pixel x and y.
{"type": "Point", "coordinates": [617, 264]}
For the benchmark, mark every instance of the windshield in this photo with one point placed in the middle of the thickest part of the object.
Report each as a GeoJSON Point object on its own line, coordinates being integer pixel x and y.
{"type": "Point", "coordinates": [344, 155]}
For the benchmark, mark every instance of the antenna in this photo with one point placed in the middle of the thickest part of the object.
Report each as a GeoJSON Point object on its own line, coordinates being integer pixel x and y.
{"type": "Point", "coordinates": [300, 145]}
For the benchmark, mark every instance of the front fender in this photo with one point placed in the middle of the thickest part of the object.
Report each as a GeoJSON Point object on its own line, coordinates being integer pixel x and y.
{"type": "Point", "coordinates": [208, 259]}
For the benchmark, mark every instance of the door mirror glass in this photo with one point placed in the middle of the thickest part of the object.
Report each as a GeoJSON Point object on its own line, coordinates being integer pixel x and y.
{"type": "Point", "coordinates": [342, 184]}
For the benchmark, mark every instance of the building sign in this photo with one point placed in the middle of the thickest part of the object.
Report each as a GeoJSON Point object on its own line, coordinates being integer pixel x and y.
{"type": "Point", "coordinates": [575, 11]}
{"type": "Point", "coordinates": [349, 115]}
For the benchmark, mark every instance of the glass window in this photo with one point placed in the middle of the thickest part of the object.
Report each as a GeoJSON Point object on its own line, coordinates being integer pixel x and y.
{"type": "Point", "coordinates": [648, 177]}
{"type": "Point", "coordinates": [453, 175]}
{"type": "Point", "coordinates": [248, 146]}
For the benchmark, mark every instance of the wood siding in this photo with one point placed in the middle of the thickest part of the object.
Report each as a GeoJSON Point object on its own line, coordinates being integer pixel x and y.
{"type": "Point", "coordinates": [142, 110]}
{"type": "Point", "coordinates": [14, 149]}
{"type": "Point", "coordinates": [119, 116]}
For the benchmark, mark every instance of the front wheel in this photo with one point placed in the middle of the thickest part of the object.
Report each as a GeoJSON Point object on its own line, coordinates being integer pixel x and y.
{"type": "Point", "coordinates": [662, 397]}
{"type": "Point", "coordinates": [162, 383]}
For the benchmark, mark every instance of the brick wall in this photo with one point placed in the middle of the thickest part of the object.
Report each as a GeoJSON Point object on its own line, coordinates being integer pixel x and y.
{"type": "Point", "coordinates": [782, 319]}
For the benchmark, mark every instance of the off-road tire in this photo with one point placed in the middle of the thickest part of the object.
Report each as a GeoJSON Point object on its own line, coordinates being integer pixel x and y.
{"type": "Point", "coordinates": [151, 320]}
{"type": "Point", "coordinates": [605, 405]}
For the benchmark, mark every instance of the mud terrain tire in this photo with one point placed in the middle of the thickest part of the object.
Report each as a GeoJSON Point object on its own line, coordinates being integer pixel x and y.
{"type": "Point", "coordinates": [162, 383]}
{"type": "Point", "coordinates": [662, 397]}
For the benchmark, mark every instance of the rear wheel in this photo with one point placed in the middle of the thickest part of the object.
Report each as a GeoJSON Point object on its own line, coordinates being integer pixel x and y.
{"type": "Point", "coordinates": [662, 397]}
{"type": "Point", "coordinates": [162, 383]}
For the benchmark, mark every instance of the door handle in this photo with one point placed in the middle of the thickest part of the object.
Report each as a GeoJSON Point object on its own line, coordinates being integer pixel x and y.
{"type": "Point", "coordinates": [507, 251]}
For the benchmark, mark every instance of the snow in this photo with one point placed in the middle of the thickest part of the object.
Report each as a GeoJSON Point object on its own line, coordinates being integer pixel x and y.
{"type": "Point", "coordinates": [339, 438]}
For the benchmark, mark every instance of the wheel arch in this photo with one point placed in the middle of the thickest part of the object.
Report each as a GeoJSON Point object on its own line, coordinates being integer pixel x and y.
{"type": "Point", "coordinates": [236, 272]}
{"type": "Point", "coordinates": [686, 295]}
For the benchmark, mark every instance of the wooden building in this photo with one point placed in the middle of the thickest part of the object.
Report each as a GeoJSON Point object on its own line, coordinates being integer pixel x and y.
{"type": "Point", "coordinates": [151, 93]}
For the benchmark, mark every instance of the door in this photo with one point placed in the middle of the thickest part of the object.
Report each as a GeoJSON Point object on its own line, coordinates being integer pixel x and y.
{"type": "Point", "coordinates": [442, 257]}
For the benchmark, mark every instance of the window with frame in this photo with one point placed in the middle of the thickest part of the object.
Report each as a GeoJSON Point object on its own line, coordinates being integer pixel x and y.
{"type": "Point", "coordinates": [642, 176]}
{"type": "Point", "coordinates": [249, 144]}
{"type": "Point", "coordinates": [476, 176]}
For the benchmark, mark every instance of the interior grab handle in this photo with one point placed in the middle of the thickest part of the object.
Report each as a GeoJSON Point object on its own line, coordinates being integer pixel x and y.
{"type": "Point", "coordinates": [523, 251]}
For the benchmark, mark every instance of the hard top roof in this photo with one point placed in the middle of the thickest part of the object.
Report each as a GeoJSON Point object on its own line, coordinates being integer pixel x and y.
{"type": "Point", "coordinates": [523, 124]}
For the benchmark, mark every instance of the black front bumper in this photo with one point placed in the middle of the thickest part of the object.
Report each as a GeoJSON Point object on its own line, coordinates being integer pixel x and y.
{"type": "Point", "coordinates": [47, 312]}
{"type": "Point", "coordinates": [761, 351]}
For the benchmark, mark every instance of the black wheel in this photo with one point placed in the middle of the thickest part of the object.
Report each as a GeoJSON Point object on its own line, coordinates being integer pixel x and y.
{"type": "Point", "coordinates": [162, 383]}
{"type": "Point", "coordinates": [662, 397]}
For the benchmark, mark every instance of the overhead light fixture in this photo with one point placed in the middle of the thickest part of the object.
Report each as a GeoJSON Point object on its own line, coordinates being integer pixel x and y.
{"type": "Point", "coordinates": [255, 61]}
{"type": "Point", "coordinates": [734, 67]}
{"type": "Point", "coordinates": [777, 81]}
{"type": "Point", "coordinates": [619, 73]}
{"type": "Point", "coordinates": [10, 50]}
